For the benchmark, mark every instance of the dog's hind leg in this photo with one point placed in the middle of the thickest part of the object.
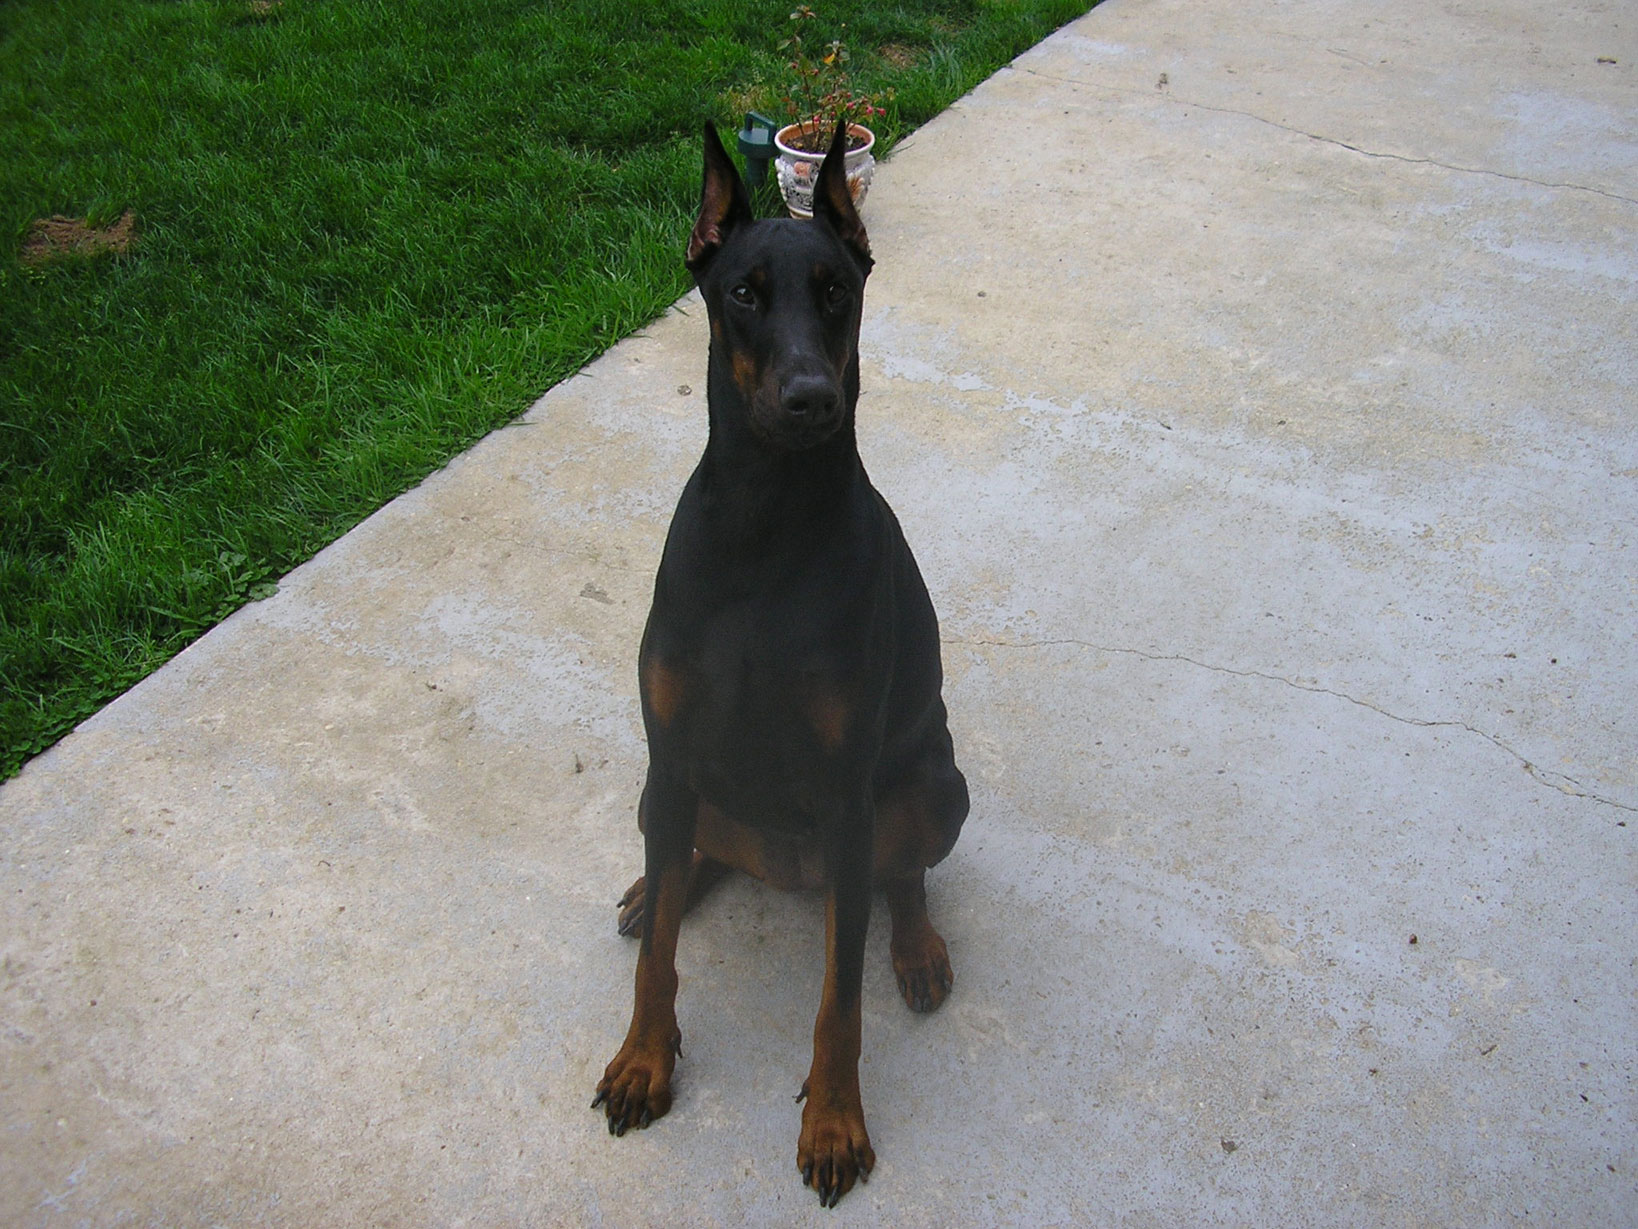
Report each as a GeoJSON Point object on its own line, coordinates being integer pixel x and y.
{"type": "Point", "coordinates": [704, 874]}
{"type": "Point", "coordinates": [921, 962]}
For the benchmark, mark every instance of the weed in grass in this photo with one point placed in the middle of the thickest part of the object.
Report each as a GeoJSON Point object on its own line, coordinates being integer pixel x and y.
{"type": "Point", "coordinates": [368, 234]}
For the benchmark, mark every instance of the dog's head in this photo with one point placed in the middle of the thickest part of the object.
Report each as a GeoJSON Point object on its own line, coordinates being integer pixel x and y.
{"type": "Point", "coordinates": [784, 298]}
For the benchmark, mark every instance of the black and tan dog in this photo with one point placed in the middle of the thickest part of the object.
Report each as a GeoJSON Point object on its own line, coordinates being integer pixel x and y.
{"type": "Point", "coordinates": [790, 669]}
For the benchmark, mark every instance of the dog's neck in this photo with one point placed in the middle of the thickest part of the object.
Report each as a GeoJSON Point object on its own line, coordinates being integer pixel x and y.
{"type": "Point", "coordinates": [758, 497]}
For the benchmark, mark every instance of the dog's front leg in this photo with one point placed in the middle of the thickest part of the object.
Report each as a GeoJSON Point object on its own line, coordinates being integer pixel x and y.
{"type": "Point", "coordinates": [833, 1149]}
{"type": "Point", "coordinates": [636, 1086]}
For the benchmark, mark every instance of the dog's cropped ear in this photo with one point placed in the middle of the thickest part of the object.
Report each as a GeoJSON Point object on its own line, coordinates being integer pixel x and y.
{"type": "Point", "coordinates": [833, 203]}
{"type": "Point", "coordinates": [724, 203]}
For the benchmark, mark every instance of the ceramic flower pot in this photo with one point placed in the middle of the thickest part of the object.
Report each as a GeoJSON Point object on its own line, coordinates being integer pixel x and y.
{"type": "Point", "coordinates": [799, 168]}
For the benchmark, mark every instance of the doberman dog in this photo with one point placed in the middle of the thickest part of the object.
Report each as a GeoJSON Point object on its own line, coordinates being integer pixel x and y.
{"type": "Point", "coordinates": [790, 671]}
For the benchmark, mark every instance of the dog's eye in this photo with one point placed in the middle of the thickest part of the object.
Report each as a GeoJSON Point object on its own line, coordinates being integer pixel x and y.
{"type": "Point", "coordinates": [742, 294]}
{"type": "Point", "coordinates": [836, 294]}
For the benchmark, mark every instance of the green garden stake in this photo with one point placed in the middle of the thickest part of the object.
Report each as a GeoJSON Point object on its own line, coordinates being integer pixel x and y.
{"type": "Point", "coordinates": [756, 146]}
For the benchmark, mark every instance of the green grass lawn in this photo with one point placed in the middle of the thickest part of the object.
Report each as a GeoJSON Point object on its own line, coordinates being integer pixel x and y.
{"type": "Point", "coordinates": [366, 234]}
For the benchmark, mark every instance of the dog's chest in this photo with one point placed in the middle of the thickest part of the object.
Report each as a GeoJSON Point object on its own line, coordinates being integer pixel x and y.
{"type": "Point", "coordinates": [778, 697]}
{"type": "Point", "coordinates": [781, 715]}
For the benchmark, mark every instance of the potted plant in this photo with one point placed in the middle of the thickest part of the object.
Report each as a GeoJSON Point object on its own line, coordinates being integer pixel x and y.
{"type": "Point", "coordinates": [820, 98]}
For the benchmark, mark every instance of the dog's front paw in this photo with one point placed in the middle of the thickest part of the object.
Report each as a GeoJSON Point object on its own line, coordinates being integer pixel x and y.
{"type": "Point", "coordinates": [834, 1149]}
{"type": "Point", "coordinates": [636, 1086]}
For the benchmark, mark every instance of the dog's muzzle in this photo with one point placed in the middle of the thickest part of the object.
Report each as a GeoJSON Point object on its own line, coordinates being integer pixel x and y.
{"type": "Point", "coordinates": [810, 410]}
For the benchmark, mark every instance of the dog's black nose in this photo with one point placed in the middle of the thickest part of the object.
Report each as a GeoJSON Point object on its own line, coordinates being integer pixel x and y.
{"type": "Point", "coordinates": [812, 398]}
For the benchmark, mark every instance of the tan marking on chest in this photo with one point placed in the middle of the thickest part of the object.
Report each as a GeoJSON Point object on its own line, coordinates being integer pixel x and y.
{"type": "Point", "coordinates": [828, 713]}
{"type": "Point", "coordinates": [663, 689]}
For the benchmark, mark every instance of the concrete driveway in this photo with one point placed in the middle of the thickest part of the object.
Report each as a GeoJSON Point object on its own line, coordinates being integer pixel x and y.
{"type": "Point", "coordinates": [1258, 385]}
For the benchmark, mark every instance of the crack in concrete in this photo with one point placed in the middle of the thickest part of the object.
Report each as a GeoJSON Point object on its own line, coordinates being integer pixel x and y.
{"type": "Point", "coordinates": [1552, 780]}
{"type": "Point", "coordinates": [562, 552]}
{"type": "Point", "coordinates": [1339, 143]}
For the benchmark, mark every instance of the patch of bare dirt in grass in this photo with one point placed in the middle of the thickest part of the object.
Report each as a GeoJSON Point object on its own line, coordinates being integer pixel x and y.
{"type": "Point", "coordinates": [898, 55]}
{"type": "Point", "coordinates": [57, 238]}
{"type": "Point", "coordinates": [258, 12]}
